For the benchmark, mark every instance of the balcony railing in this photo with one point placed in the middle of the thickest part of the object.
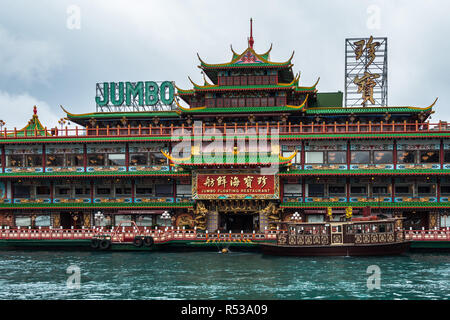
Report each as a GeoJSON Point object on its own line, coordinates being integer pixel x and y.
{"type": "Point", "coordinates": [234, 129]}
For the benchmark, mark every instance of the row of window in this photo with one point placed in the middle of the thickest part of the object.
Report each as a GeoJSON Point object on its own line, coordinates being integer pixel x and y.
{"type": "Point", "coordinates": [97, 159]}
{"type": "Point", "coordinates": [141, 220]}
{"type": "Point", "coordinates": [245, 80]}
{"type": "Point", "coordinates": [374, 157]}
{"type": "Point", "coordinates": [161, 190]}
{"type": "Point", "coordinates": [322, 190]}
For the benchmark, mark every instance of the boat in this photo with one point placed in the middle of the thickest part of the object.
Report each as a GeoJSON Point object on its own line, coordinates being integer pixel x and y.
{"type": "Point", "coordinates": [367, 236]}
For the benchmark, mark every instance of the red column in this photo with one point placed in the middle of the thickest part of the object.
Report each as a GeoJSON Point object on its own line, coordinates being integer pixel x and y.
{"type": "Point", "coordinates": [133, 194]}
{"type": "Point", "coordinates": [281, 189]}
{"type": "Point", "coordinates": [174, 189]}
{"type": "Point", "coordinates": [441, 154]}
{"type": "Point", "coordinates": [92, 191]}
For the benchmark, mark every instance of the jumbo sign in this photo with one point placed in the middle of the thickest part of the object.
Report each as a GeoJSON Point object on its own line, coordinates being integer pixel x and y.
{"type": "Point", "coordinates": [142, 93]}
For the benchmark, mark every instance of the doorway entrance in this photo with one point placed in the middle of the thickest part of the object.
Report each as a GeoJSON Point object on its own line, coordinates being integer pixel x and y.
{"type": "Point", "coordinates": [237, 222]}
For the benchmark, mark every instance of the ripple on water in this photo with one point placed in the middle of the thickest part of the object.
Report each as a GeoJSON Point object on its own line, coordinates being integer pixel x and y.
{"type": "Point", "coordinates": [208, 275]}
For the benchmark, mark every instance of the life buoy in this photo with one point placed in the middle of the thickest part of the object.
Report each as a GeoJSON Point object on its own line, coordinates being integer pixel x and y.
{"type": "Point", "coordinates": [95, 243]}
{"type": "Point", "coordinates": [148, 241]}
{"type": "Point", "coordinates": [138, 242]}
{"type": "Point", "coordinates": [105, 244]}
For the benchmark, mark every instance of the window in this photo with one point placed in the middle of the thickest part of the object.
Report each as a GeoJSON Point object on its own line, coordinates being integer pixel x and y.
{"type": "Point", "coordinates": [105, 222]}
{"type": "Point", "coordinates": [314, 157]}
{"type": "Point", "coordinates": [336, 190]}
{"type": "Point", "coordinates": [445, 190]}
{"type": "Point", "coordinates": [42, 221]}
{"type": "Point", "coordinates": [14, 161]}
{"type": "Point", "coordinates": [23, 221]}
{"type": "Point", "coordinates": [138, 159]}
{"type": "Point", "coordinates": [104, 191]}
{"type": "Point", "coordinates": [431, 156]}
{"type": "Point", "coordinates": [337, 157]}
{"type": "Point", "coordinates": [116, 159]}
{"type": "Point", "coordinates": [380, 190]}
{"type": "Point", "coordinates": [121, 218]}
{"type": "Point", "coordinates": [314, 218]}
{"type": "Point", "coordinates": [316, 190]}
{"type": "Point", "coordinates": [96, 159]}
{"type": "Point", "coordinates": [42, 190]}
{"type": "Point", "coordinates": [33, 160]}
{"type": "Point", "coordinates": [402, 190]}
{"type": "Point", "coordinates": [383, 157]}
{"type": "Point", "coordinates": [22, 191]}
{"type": "Point", "coordinates": [62, 191]}
{"type": "Point", "coordinates": [163, 190]}
{"type": "Point", "coordinates": [358, 190]}
{"type": "Point", "coordinates": [75, 160]}
{"type": "Point", "coordinates": [425, 189]}
{"type": "Point", "coordinates": [157, 158]}
{"type": "Point", "coordinates": [447, 156]}
{"type": "Point", "coordinates": [144, 220]}
{"type": "Point", "coordinates": [360, 157]}
{"type": "Point", "coordinates": [55, 160]}
{"type": "Point", "coordinates": [144, 191]}
{"type": "Point", "coordinates": [406, 157]}
{"type": "Point", "coordinates": [80, 191]}
{"type": "Point", "coordinates": [123, 191]}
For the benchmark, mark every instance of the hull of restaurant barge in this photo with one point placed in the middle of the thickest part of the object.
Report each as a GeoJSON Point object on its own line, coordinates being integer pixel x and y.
{"type": "Point", "coordinates": [385, 249]}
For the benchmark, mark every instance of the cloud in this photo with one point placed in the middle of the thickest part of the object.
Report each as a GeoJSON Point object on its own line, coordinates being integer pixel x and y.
{"type": "Point", "coordinates": [16, 110]}
{"type": "Point", "coordinates": [27, 60]}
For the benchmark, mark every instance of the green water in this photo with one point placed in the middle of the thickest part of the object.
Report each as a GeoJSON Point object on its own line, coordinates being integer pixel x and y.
{"type": "Point", "coordinates": [210, 275]}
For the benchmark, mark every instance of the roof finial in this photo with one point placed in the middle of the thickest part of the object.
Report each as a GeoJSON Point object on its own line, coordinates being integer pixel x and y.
{"type": "Point", "coordinates": [35, 110]}
{"type": "Point", "coordinates": [250, 40]}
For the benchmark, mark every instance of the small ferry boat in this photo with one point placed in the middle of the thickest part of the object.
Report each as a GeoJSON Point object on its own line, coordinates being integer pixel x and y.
{"type": "Point", "coordinates": [367, 236]}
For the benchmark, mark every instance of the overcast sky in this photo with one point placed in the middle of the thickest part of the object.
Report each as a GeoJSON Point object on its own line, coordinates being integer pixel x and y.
{"type": "Point", "coordinates": [44, 62]}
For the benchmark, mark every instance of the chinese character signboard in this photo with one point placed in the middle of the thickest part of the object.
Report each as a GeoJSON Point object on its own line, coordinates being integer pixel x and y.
{"type": "Point", "coordinates": [235, 186]}
{"type": "Point", "coordinates": [366, 72]}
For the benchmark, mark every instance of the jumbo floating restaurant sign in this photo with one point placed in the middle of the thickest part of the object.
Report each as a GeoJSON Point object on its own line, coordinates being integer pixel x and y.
{"type": "Point", "coordinates": [139, 94]}
{"type": "Point", "coordinates": [235, 186]}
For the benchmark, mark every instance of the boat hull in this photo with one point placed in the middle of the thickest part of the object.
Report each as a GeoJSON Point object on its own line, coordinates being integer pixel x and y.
{"type": "Point", "coordinates": [384, 249]}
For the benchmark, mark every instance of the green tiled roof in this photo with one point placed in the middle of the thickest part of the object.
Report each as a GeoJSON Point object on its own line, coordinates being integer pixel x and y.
{"type": "Point", "coordinates": [123, 114]}
{"type": "Point", "coordinates": [95, 173]}
{"type": "Point", "coordinates": [330, 110]}
{"type": "Point", "coordinates": [237, 137]}
{"type": "Point", "coordinates": [369, 172]}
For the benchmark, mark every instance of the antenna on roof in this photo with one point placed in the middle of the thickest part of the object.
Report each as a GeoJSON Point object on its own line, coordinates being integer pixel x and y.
{"type": "Point", "coordinates": [250, 40]}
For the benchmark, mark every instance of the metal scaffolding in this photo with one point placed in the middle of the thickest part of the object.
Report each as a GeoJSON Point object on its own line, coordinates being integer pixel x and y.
{"type": "Point", "coordinates": [362, 63]}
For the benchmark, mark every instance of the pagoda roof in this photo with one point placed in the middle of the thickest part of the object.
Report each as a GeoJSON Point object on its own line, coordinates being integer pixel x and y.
{"type": "Point", "coordinates": [248, 59]}
{"type": "Point", "coordinates": [34, 127]}
{"type": "Point", "coordinates": [114, 115]}
{"type": "Point", "coordinates": [287, 108]}
{"type": "Point", "coordinates": [311, 110]}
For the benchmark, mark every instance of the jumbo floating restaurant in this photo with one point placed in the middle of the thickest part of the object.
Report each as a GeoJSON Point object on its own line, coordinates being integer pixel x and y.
{"type": "Point", "coordinates": [121, 166]}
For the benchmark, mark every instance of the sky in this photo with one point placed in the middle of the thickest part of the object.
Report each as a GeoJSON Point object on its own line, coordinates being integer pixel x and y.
{"type": "Point", "coordinates": [53, 53]}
